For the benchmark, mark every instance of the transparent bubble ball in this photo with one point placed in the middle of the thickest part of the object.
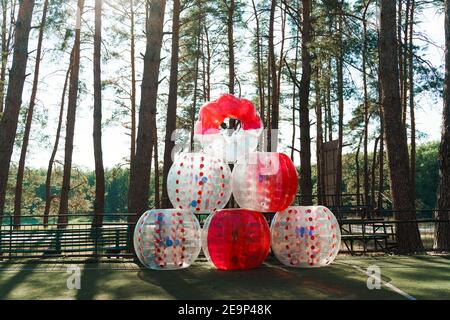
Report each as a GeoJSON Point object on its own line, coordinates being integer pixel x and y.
{"type": "Point", "coordinates": [167, 239]}
{"type": "Point", "coordinates": [305, 237]}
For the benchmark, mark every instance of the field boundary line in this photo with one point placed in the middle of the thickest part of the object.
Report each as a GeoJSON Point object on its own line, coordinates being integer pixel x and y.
{"type": "Point", "coordinates": [387, 284]}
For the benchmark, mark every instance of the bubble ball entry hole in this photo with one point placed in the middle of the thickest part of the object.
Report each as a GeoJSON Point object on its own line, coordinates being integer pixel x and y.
{"type": "Point", "coordinates": [305, 237]}
{"type": "Point", "coordinates": [236, 239]}
{"type": "Point", "coordinates": [223, 144]}
{"type": "Point", "coordinates": [167, 239]}
{"type": "Point", "coordinates": [199, 183]}
{"type": "Point", "coordinates": [265, 182]}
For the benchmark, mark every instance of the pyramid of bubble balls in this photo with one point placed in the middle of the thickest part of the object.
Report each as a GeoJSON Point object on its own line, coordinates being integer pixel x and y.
{"type": "Point", "coordinates": [261, 182]}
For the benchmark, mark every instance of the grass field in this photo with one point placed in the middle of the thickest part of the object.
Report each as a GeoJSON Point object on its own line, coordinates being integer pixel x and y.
{"type": "Point", "coordinates": [416, 277]}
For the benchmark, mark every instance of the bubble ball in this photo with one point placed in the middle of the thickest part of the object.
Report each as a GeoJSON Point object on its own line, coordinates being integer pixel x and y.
{"type": "Point", "coordinates": [167, 239]}
{"type": "Point", "coordinates": [228, 144]}
{"type": "Point", "coordinates": [305, 237]}
{"type": "Point", "coordinates": [199, 182]}
{"type": "Point", "coordinates": [236, 239]}
{"type": "Point", "coordinates": [264, 181]}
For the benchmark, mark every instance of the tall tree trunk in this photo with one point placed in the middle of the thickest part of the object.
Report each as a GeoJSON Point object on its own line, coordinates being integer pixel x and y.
{"type": "Point", "coordinates": [442, 241]}
{"type": "Point", "coordinates": [305, 136]}
{"type": "Point", "coordinates": [156, 156]}
{"type": "Point", "coordinates": [281, 62]}
{"type": "Point", "coordinates": [48, 180]}
{"type": "Point", "coordinates": [329, 121]}
{"type": "Point", "coordinates": [274, 112]}
{"type": "Point", "coordinates": [171, 122]}
{"type": "Point", "coordinates": [411, 99]}
{"type": "Point", "coordinates": [7, 35]}
{"type": "Point", "coordinates": [194, 100]}
{"type": "Point", "coordinates": [4, 54]}
{"type": "Point", "coordinates": [319, 141]}
{"type": "Point", "coordinates": [373, 171]}
{"type": "Point", "coordinates": [9, 120]}
{"type": "Point", "coordinates": [70, 122]}
{"type": "Point", "coordinates": [29, 120]}
{"type": "Point", "coordinates": [358, 171]}
{"type": "Point", "coordinates": [381, 154]}
{"type": "Point", "coordinates": [340, 96]}
{"type": "Point", "coordinates": [230, 38]}
{"type": "Point", "coordinates": [408, 236]}
{"type": "Point", "coordinates": [99, 202]}
{"type": "Point", "coordinates": [133, 83]}
{"type": "Point", "coordinates": [405, 59]}
{"type": "Point", "coordinates": [294, 98]}
{"type": "Point", "coordinates": [366, 109]}
{"type": "Point", "coordinates": [259, 62]}
{"type": "Point", "coordinates": [208, 63]}
{"type": "Point", "coordinates": [400, 56]}
{"type": "Point", "coordinates": [141, 167]}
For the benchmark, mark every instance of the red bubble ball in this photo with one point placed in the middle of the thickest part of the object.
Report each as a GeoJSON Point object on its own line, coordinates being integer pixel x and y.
{"type": "Point", "coordinates": [236, 239]}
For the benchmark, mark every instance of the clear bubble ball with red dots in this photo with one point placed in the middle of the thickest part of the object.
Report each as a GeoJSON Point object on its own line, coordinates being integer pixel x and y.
{"type": "Point", "coordinates": [167, 239]}
{"type": "Point", "coordinates": [305, 237]}
{"type": "Point", "coordinates": [199, 183]}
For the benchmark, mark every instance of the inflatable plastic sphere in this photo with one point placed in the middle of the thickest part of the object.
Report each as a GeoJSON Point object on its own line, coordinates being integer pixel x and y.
{"type": "Point", "coordinates": [167, 239]}
{"type": "Point", "coordinates": [223, 144]}
{"type": "Point", "coordinates": [265, 182]}
{"type": "Point", "coordinates": [305, 237]}
{"type": "Point", "coordinates": [199, 183]}
{"type": "Point", "coordinates": [236, 239]}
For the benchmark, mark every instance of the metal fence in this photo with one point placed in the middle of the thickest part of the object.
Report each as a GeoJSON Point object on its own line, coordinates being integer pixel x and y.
{"type": "Point", "coordinates": [76, 239]}
{"type": "Point", "coordinates": [114, 238]}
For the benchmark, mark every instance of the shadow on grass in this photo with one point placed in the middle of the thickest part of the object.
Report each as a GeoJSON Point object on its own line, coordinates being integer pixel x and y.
{"type": "Point", "coordinates": [89, 280]}
{"type": "Point", "coordinates": [19, 277]}
{"type": "Point", "coordinates": [266, 282]}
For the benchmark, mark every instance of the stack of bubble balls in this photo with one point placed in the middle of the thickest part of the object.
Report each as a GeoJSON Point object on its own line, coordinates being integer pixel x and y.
{"type": "Point", "coordinates": [261, 182]}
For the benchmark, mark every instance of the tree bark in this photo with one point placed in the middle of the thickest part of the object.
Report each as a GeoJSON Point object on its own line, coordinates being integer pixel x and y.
{"type": "Point", "coordinates": [194, 100]}
{"type": "Point", "coordinates": [319, 141]}
{"type": "Point", "coordinates": [305, 136]}
{"type": "Point", "coordinates": [141, 167]}
{"type": "Point", "coordinates": [340, 97]}
{"type": "Point", "coordinates": [48, 180]}
{"type": "Point", "coordinates": [358, 171]}
{"type": "Point", "coordinates": [259, 63]}
{"type": "Point", "coordinates": [9, 120]}
{"type": "Point", "coordinates": [411, 99]}
{"type": "Point", "coordinates": [70, 122]}
{"type": "Point", "coordinates": [208, 64]}
{"type": "Point", "coordinates": [442, 238]}
{"type": "Point", "coordinates": [381, 153]}
{"type": "Point", "coordinates": [230, 38]}
{"type": "Point", "coordinates": [373, 172]}
{"type": "Point", "coordinates": [133, 83]}
{"type": "Point", "coordinates": [366, 108]}
{"type": "Point", "coordinates": [171, 120]}
{"type": "Point", "coordinates": [407, 233]}
{"type": "Point", "coordinates": [156, 156]}
{"type": "Point", "coordinates": [274, 107]}
{"type": "Point", "coordinates": [99, 202]}
{"type": "Point", "coordinates": [28, 122]}
{"type": "Point", "coordinates": [7, 35]}
{"type": "Point", "coordinates": [294, 99]}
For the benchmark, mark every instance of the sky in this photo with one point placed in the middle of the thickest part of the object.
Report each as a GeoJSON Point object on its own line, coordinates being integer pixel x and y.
{"type": "Point", "coordinates": [115, 139]}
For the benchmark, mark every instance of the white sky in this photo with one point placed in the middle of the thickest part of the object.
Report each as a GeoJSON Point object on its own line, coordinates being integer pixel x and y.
{"type": "Point", "coordinates": [115, 140]}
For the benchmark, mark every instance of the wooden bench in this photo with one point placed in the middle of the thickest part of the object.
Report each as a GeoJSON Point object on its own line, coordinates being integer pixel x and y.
{"type": "Point", "coordinates": [378, 232]}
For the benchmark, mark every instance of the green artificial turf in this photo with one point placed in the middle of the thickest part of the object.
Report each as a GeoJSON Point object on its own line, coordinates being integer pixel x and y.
{"type": "Point", "coordinates": [423, 277]}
